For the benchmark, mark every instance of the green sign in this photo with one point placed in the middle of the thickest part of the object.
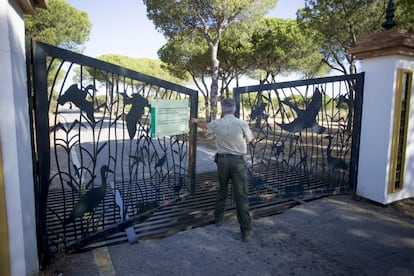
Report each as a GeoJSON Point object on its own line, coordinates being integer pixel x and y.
{"type": "Point", "coordinates": [169, 117]}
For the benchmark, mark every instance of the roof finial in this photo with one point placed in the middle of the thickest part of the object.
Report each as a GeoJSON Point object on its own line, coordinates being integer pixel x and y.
{"type": "Point", "coordinates": [389, 15]}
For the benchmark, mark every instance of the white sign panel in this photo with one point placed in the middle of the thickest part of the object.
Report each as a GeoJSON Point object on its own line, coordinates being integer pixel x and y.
{"type": "Point", "coordinates": [169, 117]}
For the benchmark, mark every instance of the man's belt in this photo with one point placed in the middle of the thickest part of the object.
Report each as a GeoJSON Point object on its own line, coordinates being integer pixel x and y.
{"type": "Point", "coordinates": [228, 155]}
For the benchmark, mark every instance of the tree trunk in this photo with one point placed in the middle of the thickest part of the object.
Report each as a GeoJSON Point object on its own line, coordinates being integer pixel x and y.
{"type": "Point", "coordinates": [207, 112]}
{"type": "Point", "coordinates": [214, 80]}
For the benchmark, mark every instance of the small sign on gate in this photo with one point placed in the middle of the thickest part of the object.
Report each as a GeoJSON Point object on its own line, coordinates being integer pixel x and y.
{"type": "Point", "coordinates": [169, 117]}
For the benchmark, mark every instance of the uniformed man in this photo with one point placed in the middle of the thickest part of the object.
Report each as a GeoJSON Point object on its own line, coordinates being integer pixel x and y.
{"type": "Point", "coordinates": [231, 136]}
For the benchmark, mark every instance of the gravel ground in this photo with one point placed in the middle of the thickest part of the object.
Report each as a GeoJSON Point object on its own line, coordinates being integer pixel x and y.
{"type": "Point", "coordinates": [336, 235]}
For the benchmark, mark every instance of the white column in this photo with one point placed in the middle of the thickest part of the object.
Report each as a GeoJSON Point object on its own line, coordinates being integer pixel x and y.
{"type": "Point", "coordinates": [377, 128]}
{"type": "Point", "coordinates": [382, 55]}
{"type": "Point", "coordinates": [15, 142]}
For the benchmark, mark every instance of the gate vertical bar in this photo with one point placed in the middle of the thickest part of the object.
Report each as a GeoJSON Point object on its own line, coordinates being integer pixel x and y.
{"type": "Point", "coordinates": [236, 95]}
{"type": "Point", "coordinates": [42, 154]}
{"type": "Point", "coordinates": [356, 134]}
{"type": "Point", "coordinates": [193, 142]}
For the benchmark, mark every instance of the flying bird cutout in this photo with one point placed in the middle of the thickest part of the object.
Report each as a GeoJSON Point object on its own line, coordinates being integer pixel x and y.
{"type": "Point", "coordinates": [78, 97]}
{"type": "Point", "coordinates": [138, 103]}
{"type": "Point", "coordinates": [306, 118]}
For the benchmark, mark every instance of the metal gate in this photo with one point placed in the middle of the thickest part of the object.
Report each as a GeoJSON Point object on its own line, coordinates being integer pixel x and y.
{"type": "Point", "coordinates": [98, 169]}
{"type": "Point", "coordinates": [307, 135]}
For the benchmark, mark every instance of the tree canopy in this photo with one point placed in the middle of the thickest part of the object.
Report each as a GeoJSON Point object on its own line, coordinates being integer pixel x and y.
{"type": "Point", "coordinates": [60, 25]}
{"type": "Point", "coordinates": [186, 57]}
{"type": "Point", "coordinates": [208, 18]}
{"type": "Point", "coordinates": [271, 46]}
{"type": "Point", "coordinates": [152, 67]}
{"type": "Point", "coordinates": [404, 14]}
{"type": "Point", "coordinates": [341, 23]}
{"type": "Point", "coordinates": [281, 47]}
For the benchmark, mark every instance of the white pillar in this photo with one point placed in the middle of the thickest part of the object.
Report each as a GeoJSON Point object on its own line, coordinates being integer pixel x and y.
{"type": "Point", "coordinates": [15, 142]}
{"type": "Point", "coordinates": [382, 55]}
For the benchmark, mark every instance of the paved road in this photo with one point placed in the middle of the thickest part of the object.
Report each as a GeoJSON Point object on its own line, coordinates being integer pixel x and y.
{"type": "Point", "coordinates": [336, 235]}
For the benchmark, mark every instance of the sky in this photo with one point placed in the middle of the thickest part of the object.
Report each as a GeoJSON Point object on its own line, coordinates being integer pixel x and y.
{"type": "Point", "coordinates": [122, 27]}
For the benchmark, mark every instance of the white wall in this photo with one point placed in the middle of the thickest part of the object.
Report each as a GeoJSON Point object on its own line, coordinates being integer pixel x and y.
{"type": "Point", "coordinates": [376, 130]}
{"type": "Point", "coordinates": [15, 142]}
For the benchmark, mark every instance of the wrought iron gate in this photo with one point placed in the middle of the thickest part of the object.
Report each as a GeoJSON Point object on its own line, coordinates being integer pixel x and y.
{"type": "Point", "coordinates": [307, 135]}
{"type": "Point", "coordinates": [98, 170]}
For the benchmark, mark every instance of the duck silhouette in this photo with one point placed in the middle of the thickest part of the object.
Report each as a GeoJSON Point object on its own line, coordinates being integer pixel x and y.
{"type": "Point", "coordinates": [306, 118]}
{"type": "Point", "coordinates": [334, 162]}
{"type": "Point", "coordinates": [89, 200]}
{"type": "Point", "coordinates": [278, 149]}
{"type": "Point", "coordinates": [78, 97]}
{"type": "Point", "coordinates": [258, 110]}
{"type": "Point", "coordinates": [342, 99]}
{"type": "Point", "coordinates": [134, 115]}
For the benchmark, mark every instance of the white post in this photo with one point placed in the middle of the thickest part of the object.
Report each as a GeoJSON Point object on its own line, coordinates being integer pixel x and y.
{"type": "Point", "coordinates": [15, 143]}
{"type": "Point", "coordinates": [384, 56]}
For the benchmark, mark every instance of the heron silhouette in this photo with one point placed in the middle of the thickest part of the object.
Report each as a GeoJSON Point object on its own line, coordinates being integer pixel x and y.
{"type": "Point", "coordinates": [138, 103]}
{"type": "Point", "coordinates": [91, 199]}
{"type": "Point", "coordinates": [334, 162]}
{"type": "Point", "coordinates": [78, 97]}
{"type": "Point", "coordinates": [306, 118]}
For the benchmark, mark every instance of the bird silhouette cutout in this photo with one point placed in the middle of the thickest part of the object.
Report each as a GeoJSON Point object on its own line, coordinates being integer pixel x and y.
{"type": "Point", "coordinates": [91, 199]}
{"type": "Point", "coordinates": [256, 181]}
{"type": "Point", "coordinates": [146, 209]}
{"type": "Point", "coordinates": [334, 162]}
{"type": "Point", "coordinates": [161, 161]}
{"type": "Point", "coordinates": [138, 103]}
{"type": "Point", "coordinates": [78, 97]}
{"type": "Point", "coordinates": [278, 148]}
{"type": "Point", "coordinates": [258, 110]}
{"type": "Point", "coordinates": [306, 118]}
{"type": "Point", "coordinates": [342, 99]}
{"type": "Point", "coordinates": [177, 187]}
